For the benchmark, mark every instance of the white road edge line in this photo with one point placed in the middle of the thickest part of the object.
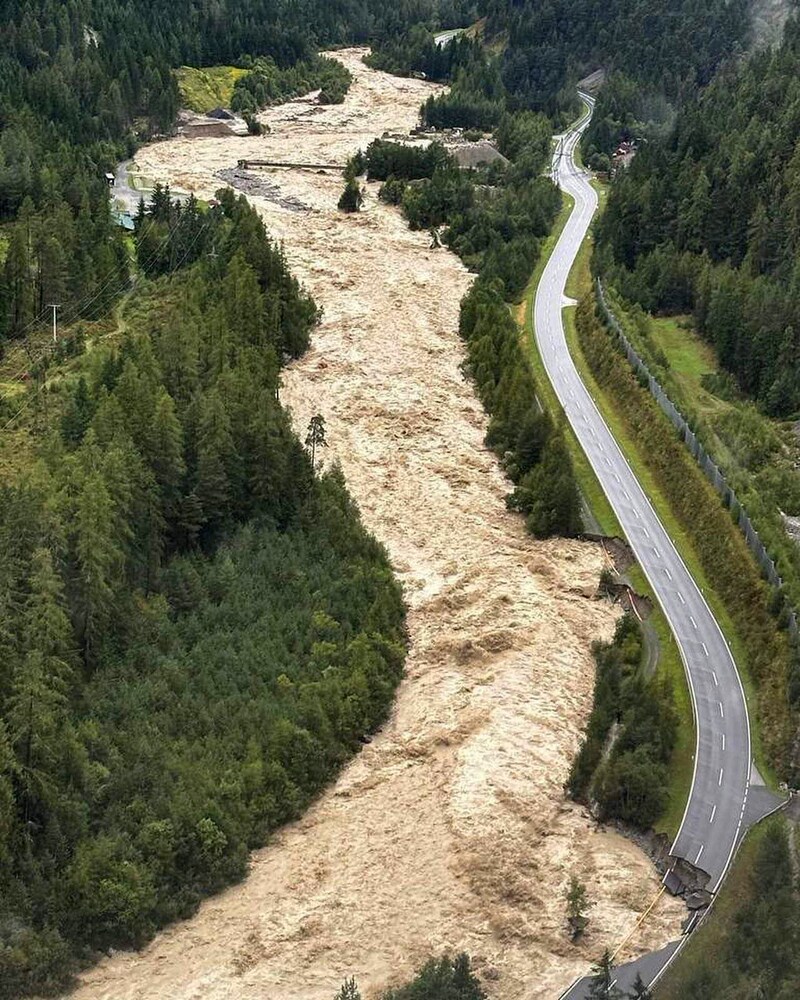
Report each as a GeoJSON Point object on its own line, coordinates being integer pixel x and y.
{"type": "Point", "coordinates": [566, 175]}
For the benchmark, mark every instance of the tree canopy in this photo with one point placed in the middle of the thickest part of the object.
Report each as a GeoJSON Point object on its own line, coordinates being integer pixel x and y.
{"type": "Point", "coordinates": [197, 631]}
{"type": "Point", "coordinates": [707, 220]}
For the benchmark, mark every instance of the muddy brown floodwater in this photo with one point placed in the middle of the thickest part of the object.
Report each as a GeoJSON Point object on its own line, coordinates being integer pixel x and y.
{"type": "Point", "coordinates": [450, 830]}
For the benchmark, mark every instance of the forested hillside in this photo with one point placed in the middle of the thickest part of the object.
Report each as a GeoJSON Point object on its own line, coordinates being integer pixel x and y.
{"type": "Point", "coordinates": [668, 44]}
{"type": "Point", "coordinates": [81, 82]}
{"type": "Point", "coordinates": [531, 54]}
{"type": "Point", "coordinates": [196, 629]}
{"type": "Point", "coordinates": [708, 221]}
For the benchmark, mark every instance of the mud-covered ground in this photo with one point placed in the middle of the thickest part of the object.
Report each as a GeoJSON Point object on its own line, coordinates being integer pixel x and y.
{"type": "Point", "coordinates": [450, 830]}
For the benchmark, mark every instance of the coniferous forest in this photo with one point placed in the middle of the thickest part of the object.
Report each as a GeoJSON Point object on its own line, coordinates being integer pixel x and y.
{"type": "Point", "coordinates": [674, 46]}
{"type": "Point", "coordinates": [708, 221]}
{"type": "Point", "coordinates": [196, 630]}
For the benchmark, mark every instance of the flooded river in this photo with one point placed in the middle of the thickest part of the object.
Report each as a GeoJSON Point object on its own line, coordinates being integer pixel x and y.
{"type": "Point", "coordinates": [450, 830]}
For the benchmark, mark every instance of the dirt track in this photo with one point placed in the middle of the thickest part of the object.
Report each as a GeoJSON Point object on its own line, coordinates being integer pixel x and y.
{"type": "Point", "coordinates": [450, 830]}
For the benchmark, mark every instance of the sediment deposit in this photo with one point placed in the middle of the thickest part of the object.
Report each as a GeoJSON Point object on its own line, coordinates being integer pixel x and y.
{"type": "Point", "coordinates": [450, 830]}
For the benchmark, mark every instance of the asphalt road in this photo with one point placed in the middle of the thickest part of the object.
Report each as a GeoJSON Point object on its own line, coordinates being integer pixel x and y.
{"type": "Point", "coordinates": [123, 194]}
{"type": "Point", "coordinates": [126, 197]}
{"type": "Point", "coordinates": [715, 809]}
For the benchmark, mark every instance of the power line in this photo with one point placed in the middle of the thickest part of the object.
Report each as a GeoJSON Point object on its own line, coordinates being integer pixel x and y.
{"type": "Point", "coordinates": [88, 300]}
{"type": "Point", "coordinates": [33, 395]}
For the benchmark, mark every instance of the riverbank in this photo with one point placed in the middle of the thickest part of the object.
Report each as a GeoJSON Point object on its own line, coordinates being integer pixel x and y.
{"type": "Point", "coordinates": [450, 831]}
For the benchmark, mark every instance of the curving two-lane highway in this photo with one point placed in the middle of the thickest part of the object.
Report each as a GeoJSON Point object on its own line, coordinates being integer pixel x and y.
{"type": "Point", "coordinates": [715, 810]}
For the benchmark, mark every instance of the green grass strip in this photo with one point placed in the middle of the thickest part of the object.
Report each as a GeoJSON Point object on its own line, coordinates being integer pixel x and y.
{"type": "Point", "coordinates": [677, 532]}
{"type": "Point", "coordinates": [588, 482]}
{"type": "Point", "coordinates": [669, 661]}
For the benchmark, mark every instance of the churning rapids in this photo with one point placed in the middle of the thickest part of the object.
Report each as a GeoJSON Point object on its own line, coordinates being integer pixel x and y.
{"type": "Point", "coordinates": [450, 830]}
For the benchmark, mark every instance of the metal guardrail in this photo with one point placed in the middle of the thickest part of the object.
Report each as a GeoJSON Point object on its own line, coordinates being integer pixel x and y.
{"type": "Point", "coordinates": [712, 471]}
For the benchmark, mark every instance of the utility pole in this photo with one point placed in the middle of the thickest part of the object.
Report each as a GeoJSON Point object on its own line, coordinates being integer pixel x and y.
{"type": "Point", "coordinates": [55, 307]}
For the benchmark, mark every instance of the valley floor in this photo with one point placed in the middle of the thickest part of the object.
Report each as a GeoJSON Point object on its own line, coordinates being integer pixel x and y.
{"type": "Point", "coordinates": [450, 830]}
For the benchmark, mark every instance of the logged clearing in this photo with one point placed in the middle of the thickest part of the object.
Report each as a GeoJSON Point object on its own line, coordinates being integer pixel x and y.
{"type": "Point", "coordinates": [450, 830]}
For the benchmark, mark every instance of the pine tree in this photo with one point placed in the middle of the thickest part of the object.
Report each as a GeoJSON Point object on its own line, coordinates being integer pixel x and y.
{"type": "Point", "coordinates": [604, 982]}
{"type": "Point", "coordinates": [37, 706]}
{"type": "Point", "coordinates": [315, 438]}
{"type": "Point", "coordinates": [99, 562]}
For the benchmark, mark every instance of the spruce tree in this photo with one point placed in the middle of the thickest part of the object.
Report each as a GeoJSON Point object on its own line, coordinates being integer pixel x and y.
{"type": "Point", "coordinates": [38, 703]}
{"type": "Point", "coordinates": [603, 984]}
{"type": "Point", "coordinates": [99, 563]}
{"type": "Point", "coordinates": [215, 449]}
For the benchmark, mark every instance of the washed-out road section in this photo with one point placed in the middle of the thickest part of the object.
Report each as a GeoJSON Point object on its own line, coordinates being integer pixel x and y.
{"type": "Point", "coordinates": [715, 814]}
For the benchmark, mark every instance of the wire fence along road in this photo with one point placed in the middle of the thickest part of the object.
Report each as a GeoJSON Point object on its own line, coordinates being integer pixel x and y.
{"type": "Point", "coordinates": [711, 470]}
{"type": "Point", "coordinates": [715, 810]}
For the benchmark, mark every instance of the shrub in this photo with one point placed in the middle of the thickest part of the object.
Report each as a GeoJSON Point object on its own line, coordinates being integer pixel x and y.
{"type": "Point", "coordinates": [352, 198]}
